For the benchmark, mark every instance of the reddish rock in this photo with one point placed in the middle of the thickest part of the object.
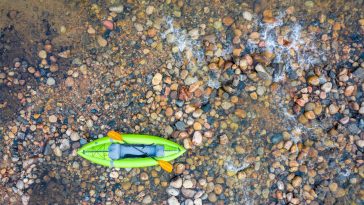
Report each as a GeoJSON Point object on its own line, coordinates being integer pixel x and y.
{"type": "Point", "coordinates": [69, 82]}
{"type": "Point", "coordinates": [184, 95]}
{"type": "Point", "coordinates": [228, 21]}
{"type": "Point", "coordinates": [300, 102]}
{"type": "Point", "coordinates": [349, 90]}
{"type": "Point", "coordinates": [108, 24]}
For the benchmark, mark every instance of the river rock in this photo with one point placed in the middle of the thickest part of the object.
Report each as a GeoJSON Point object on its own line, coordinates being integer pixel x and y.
{"type": "Point", "coordinates": [172, 191]}
{"type": "Point", "coordinates": [52, 118]}
{"type": "Point", "coordinates": [197, 138]}
{"type": "Point", "coordinates": [187, 184]}
{"type": "Point", "coordinates": [313, 80]}
{"type": "Point", "coordinates": [247, 15]}
{"type": "Point", "coordinates": [51, 81]}
{"type": "Point", "coordinates": [75, 136]}
{"type": "Point", "coordinates": [157, 79]}
{"type": "Point", "coordinates": [101, 41]}
{"type": "Point", "coordinates": [177, 183]}
{"type": "Point", "coordinates": [326, 87]}
{"type": "Point", "coordinates": [276, 138]}
{"type": "Point", "coordinates": [173, 201]}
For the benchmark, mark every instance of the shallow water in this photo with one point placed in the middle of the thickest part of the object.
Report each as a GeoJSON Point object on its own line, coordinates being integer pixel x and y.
{"type": "Point", "coordinates": [267, 96]}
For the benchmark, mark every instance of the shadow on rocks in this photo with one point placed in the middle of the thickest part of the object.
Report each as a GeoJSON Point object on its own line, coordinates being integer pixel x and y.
{"type": "Point", "coordinates": [9, 105]}
{"type": "Point", "coordinates": [56, 186]}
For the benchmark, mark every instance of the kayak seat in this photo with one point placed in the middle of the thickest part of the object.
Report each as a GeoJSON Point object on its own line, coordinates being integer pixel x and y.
{"type": "Point", "coordinates": [120, 151]}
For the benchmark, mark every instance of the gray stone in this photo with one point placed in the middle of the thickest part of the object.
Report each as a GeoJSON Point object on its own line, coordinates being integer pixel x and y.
{"type": "Point", "coordinates": [190, 80]}
{"type": "Point", "coordinates": [199, 194]}
{"type": "Point", "coordinates": [20, 184]}
{"type": "Point", "coordinates": [77, 61]}
{"type": "Point", "coordinates": [354, 129]}
{"type": "Point", "coordinates": [359, 73]}
{"type": "Point", "coordinates": [172, 191]}
{"type": "Point", "coordinates": [276, 138]}
{"type": "Point", "coordinates": [65, 144]}
{"type": "Point", "coordinates": [21, 135]}
{"type": "Point", "coordinates": [76, 165]}
{"type": "Point", "coordinates": [47, 150]}
{"type": "Point", "coordinates": [261, 90]}
{"type": "Point", "coordinates": [181, 126]}
{"type": "Point", "coordinates": [189, 193]}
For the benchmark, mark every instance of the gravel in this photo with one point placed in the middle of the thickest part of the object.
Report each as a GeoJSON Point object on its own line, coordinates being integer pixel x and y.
{"type": "Point", "coordinates": [268, 103]}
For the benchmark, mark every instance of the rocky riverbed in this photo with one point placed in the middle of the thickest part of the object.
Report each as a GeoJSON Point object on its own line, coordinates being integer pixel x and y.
{"type": "Point", "coordinates": [266, 96]}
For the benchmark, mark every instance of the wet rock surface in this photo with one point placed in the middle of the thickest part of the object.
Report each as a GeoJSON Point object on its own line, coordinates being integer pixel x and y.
{"type": "Point", "coordinates": [267, 100]}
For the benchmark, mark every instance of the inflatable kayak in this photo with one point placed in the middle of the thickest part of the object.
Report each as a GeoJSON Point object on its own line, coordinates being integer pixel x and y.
{"type": "Point", "coordinates": [134, 150]}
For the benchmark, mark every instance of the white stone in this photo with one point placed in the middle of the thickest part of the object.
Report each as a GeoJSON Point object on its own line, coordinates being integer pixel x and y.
{"type": "Point", "coordinates": [114, 174]}
{"type": "Point", "coordinates": [157, 79]}
{"type": "Point", "coordinates": [147, 199]}
{"type": "Point", "coordinates": [197, 138]}
{"type": "Point", "coordinates": [188, 202]}
{"type": "Point", "coordinates": [138, 27]}
{"type": "Point", "coordinates": [117, 9]}
{"type": "Point", "coordinates": [360, 143]}
{"type": "Point", "coordinates": [361, 110]}
{"type": "Point", "coordinates": [177, 183]}
{"type": "Point", "coordinates": [261, 90]}
{"type": "Point", "coordinates": [51, 81]}
{"type": "Point", "coordinates": [149, 10]}
{"type": "Point", "coordinates": [57, 151]}
{"type": "Point", "coordinates": [188, 184]}
{"type": "Point", "coordinates": [89, 123]}
{"type": "Point", "coordinates": [42, 54]}
{"type": "Point", "coordinates": [170, 38]}
{"type": "Point", "coordinates": [226, 105]}
{"type": "Point", "coordinates": [52, 118]}
{"type": "Point", "coordinates": [194, 34]}
{"type": "Point", "coordinates": [260, 68]}
{"type": "Point", "coordinates": [247, 15]}
{"type": "Point", "coordinates": [172, 191]}
{"type": "Point", "coordinates": [197, 201]}
{"type": "Point", "coordinates": [25, 199]}
{"type": "Point", "coordinates": [173, 201]}
{"type": "Point", "coordinates": [75, 136]}
{"type": "Point", "coordinates": [20, 184]}
{"type": "Point", "coordinates": [326, 87]}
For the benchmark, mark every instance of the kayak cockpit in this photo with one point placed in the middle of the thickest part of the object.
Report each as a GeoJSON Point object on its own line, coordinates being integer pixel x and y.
{"type": "Point", "coordinates": [121, 151]}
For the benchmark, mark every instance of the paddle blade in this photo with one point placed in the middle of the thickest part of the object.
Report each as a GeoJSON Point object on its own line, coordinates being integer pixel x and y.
{"type": "Point", "coordinates": [166, 166]}
{"type": "Point", "coordinates": [115, 135]}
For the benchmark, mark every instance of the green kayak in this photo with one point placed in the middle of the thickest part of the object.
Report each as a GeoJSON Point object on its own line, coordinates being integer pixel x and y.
{"type": "Point", "coordinates": [98, 151]}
